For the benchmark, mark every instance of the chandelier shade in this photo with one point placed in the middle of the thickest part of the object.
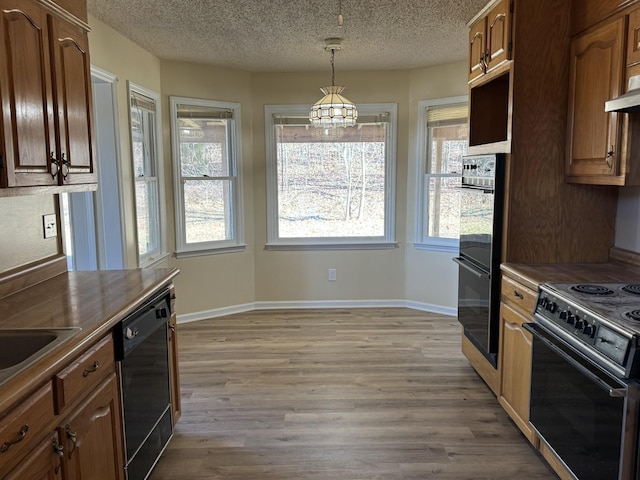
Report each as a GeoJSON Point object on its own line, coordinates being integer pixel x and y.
{"type": "Point", "coordinates": [333, 110]}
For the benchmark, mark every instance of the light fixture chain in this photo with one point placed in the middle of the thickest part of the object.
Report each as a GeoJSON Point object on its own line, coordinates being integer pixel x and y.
{"type": "Point", "coordinates": [333, 72]}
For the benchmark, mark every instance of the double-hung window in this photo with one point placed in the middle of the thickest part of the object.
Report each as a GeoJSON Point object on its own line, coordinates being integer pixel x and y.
{"type": "Point", "coordinates": [146, 152]}
{"type": "Point", "coordinates": [443, 133]}
{"type": "Point", "coordinates": [206, 158]}
{"type": "Point", "coordinates": [330, 188]}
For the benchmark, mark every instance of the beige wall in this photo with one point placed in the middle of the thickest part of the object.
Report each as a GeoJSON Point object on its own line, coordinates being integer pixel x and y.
{"type": "Point", "coordinates": [431, 277]}
{"type": "Point", "coordinates": [217, 281]}
{"type": "Point", "coordinates": [21, 233]}
{"type": "Point", "coordinates": [361, 274]}
{"type": "Point", "coordinates": [213, 281]}
{"type": "Point", "coordinates": [119, 56]}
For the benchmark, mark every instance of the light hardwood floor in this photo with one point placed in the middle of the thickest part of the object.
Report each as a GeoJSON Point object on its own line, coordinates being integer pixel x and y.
{"type": "Point", "coordinates": [338, 395]}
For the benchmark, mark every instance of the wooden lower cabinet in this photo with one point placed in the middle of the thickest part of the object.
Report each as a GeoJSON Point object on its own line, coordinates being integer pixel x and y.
{"type": "Point", "coordinates": [44, 462]}
{"type": "Point", "coordinates": [515, 374]}
{"type": "Point", "coordinates": [92, 436]}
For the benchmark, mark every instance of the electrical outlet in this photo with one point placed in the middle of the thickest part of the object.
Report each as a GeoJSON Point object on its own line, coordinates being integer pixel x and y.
{"type": "Point", "coordinates": [50, 225]}
{"type": "Point", "coordinates": [332, 274]}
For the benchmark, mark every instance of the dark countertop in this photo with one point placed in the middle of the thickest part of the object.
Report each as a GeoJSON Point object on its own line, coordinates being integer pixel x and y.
{"type": "Point", "coordinates": [93, 301]}
{"type": "Point", "coordinates": [615, 271]}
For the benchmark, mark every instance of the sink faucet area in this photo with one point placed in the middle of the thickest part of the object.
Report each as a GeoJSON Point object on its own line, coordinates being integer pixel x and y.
{"type": "Point", "coordinates": [20, 348]}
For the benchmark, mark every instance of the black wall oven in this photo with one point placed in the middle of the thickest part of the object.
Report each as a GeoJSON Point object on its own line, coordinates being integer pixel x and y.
{"type": "Point", "coordinates": [482, 200]}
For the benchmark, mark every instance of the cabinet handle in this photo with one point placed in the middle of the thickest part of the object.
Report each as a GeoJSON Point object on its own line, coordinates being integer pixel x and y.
{"type": "Point", "coordinates": [58, 450]}
{"type": "Point", "coordinates": [518, 295]}
{"type": "Point", "coordinates": [71, 435]}
{"type": "Point", "coordinates": [609, 155]}
{"type": "Point", "coordinates": [54, 165]}
{"type": "Point", "coordinates": [95, 367]}
{"type": "Point", "coordinates": [21, 434]}
{"type": "Point", "coordinates": [64, 167]}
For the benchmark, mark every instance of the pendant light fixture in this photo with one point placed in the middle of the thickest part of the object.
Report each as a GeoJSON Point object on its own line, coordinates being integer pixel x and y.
{"type": "Point", "coordinates": [333, 110]}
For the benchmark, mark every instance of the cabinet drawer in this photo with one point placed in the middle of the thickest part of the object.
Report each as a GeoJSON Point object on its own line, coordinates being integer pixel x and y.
{"type": "Point", "coordinates": [84, 374]}
{"type": "Point", "coordinates": [22, 427]}
{"type": "Point", "coordinates": [517, 295]}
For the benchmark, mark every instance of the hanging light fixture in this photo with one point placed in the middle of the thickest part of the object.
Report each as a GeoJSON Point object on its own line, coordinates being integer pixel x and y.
{"type": "Point", "coordinates": [333, 110]}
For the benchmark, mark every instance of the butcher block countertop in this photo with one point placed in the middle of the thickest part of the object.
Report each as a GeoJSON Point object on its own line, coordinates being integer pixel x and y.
{"type": "Point", "coordinates": [94, 301]}
{"type": "Point", "coordinates": [622, 267]}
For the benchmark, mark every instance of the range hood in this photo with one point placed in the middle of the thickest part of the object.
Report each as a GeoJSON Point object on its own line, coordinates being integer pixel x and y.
{"type": "Point", "coordinates": [629, 102]}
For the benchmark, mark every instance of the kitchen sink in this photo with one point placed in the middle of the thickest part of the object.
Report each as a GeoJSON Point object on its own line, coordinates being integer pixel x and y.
{"type": "Point", "coordinates": [21, 348]}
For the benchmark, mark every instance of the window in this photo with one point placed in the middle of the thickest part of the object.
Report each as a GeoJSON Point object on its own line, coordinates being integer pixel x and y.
{"type": "Point", "coordinates": [146, 152]}
{"type": "Point", "coordinates": [443, 133]}
{"type": "Point", "coordinates": [206, 159]}
{"type": "Point", "coordinates": [330, 188]}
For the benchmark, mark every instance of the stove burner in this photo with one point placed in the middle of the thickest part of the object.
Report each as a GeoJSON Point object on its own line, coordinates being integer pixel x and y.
{"type": "Point", "coordinates": [633, 288]}
{"type": "Point", "coordinates": [593, 290]}
{"type": "Point", "coordinates": [633, 315]}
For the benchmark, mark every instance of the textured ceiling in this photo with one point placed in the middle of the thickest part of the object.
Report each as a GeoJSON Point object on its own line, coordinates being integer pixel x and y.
{"type": "Point", "coordinates": [288, 35]}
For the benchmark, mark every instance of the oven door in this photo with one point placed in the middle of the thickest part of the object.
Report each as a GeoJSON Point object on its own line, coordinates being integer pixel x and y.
{"type": "Point", "coordinates": [474, 308]}
{"type": "Point", "coordinates": [587, 416]}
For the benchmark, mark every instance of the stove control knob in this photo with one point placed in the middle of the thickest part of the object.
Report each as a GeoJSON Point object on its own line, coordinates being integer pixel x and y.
{"type": "Point", "coordinates": [563, 315]}
{"type": "Point", "coordinates": [589, 330]}
{"type": "Point", "coordinates": [579, 324]}
{"type": "Point", "coordinates": [551, 307]}
{"type": "Point", "coordinates": [571, 318]}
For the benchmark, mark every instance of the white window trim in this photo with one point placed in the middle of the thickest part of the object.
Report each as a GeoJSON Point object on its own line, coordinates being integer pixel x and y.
{"type": "Point", "coordinates": [236, 244]}
{"type": "Point", "coordinates": [422, 240]}
{"type": "Point", "coordinates": [151, 259]}
{"type": "Point", "coordinates": [330, 243]}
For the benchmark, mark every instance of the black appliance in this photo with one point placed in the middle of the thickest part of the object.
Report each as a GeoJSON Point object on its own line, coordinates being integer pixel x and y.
{"type": "Point", "coordinates": [141, 342]}
{"type": "Point", "coordinates": [481, 208]}
{"type": "Point", "coordinates": [585, 396]}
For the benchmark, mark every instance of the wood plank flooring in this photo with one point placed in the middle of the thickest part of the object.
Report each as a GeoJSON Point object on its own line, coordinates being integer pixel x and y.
{"type": "Point", "coordinates": [338, 395]}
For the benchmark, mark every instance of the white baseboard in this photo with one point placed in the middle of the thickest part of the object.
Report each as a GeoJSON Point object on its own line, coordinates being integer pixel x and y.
{"type": "Point", "coordinates": [289, 305]}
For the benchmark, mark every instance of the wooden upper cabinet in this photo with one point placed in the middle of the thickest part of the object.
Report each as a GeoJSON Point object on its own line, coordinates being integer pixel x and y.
{"type": "Point", "coordinates": [45, 91]}
{"type": "Point", "coordinates": [26, 95]}
{"type": "Point", "coordinates": [633, 38]}
{"type": "Point", "coordinates": [594, 144]}
{"type": "Point", "coordinates": [477, 47]}
{"type": "Point", "coordinates": [499, 34]}
{"type": "Point", "coordinates": [73, 104]}
{"type": "Point", "coordinates": [490, 39]}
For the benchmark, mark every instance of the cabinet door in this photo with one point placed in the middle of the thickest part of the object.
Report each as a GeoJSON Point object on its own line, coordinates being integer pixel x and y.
{"type": "Point", "coordinates": [498, 34]}
{"type": "Point", "coordinates": [633, 38]}
{"type": "Point", "coordinates": [73, 102]}
{"type": "Point", "coordinates": [25, 91]}
{"type": "Point", "coordinates": [477, 46]}
{"type": "Point", "coordinates": [92, 436]}
{"type": "Point", "coordinates": [515, 381]}
{"type": "Point", "coordinates": [44, 462]}
{"type": "Point", "coordinates": [596, 72]}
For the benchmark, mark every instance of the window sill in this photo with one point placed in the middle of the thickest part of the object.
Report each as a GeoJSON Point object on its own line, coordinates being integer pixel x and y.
{"type": "Point", "coordinates": [333, 246]}
{"type": "Point", "coordinates": [152, 262]}
{"type": "Point", "coordinates": [437, 248]}
{"type": "Point", "coordinates": [210, 251]}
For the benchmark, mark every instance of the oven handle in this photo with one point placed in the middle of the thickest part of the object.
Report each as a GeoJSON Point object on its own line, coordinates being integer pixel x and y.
{"type": "Point", "coordinates": [467, 266]}
{"type": "Point", "coordinates": [541, 335]}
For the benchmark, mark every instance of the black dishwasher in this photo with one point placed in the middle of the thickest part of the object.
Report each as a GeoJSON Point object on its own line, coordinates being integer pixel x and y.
{"type": "Point", "coordinates": [141, 342]}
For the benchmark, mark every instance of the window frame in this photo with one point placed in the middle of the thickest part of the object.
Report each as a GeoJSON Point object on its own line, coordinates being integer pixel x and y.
{"type": "Point", "coordinates": [153, 257]}
{"type": "Point", "coordinates": [386, 241]}
{"type": "Point", "coordinates": [423, 241]}
{"type": "Point", "coordinates": [234, 141]}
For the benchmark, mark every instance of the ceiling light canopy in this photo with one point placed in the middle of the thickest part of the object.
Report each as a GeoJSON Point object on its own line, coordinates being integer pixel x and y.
{"type": "Point", "coordinates": [333, 110]}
